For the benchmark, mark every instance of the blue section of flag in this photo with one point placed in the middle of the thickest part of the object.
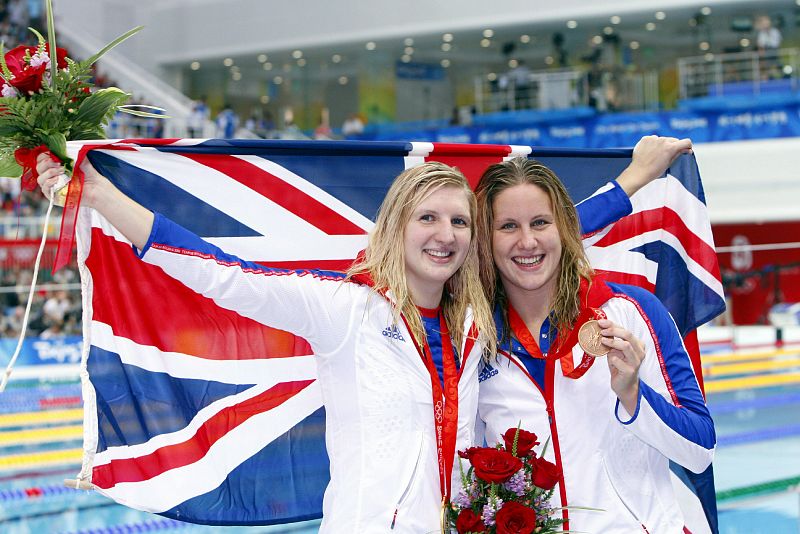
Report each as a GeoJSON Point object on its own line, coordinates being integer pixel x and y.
{"type": "Point", "coordinates": [134, 405]}
{"type": "Point", "coordinates": [159, 195]}
{"type": "Point", "coordinates": [689, 301]}
{"type": "Point", "coordinates": [287, 478]}
{"type": "Point", "coordinates": [583, 171]}
{"type": "Point", "coordinates": [348, 177]}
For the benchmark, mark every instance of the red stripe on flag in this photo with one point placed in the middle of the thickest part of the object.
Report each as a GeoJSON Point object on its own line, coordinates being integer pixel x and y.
{"type": "Point", "coordinates": [158, 141]}
{"type": "Point", "coordinates": [667, 220]}
{"type": "Point", "coordinates": [182, 454]}
{"type": "Point", "coordinates": [693, 349]}
{"type": "Point", "coordinates": [480, 157]}
{"type": "Point", "coordinates": [628, 279]}
{"type": "Point", "coordinates": [140, 302]}
{"type": "Point", "coordinates": [280, 192]}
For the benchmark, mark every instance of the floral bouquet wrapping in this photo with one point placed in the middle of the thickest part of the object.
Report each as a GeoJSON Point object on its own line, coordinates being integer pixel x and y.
{"type": "Point", "coordinates": [46, 99]}
{"type": "Point", "coordinates": [506, 489]}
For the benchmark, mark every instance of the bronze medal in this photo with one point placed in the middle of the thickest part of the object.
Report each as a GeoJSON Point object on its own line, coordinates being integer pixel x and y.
{"type": "Point", "coordinates": [589, 339]}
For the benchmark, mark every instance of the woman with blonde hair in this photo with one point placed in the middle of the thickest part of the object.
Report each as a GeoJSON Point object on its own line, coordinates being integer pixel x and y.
{"type": "Point", "coordinates": [396, 339]}
{"type": "Point", "coordinates": [598, 368]}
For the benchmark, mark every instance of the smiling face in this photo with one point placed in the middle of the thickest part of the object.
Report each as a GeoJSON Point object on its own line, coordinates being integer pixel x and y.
{"type": "Point", "coordinates": [435, 243]}
{"type": "Point", "coordinates": [526, 244]}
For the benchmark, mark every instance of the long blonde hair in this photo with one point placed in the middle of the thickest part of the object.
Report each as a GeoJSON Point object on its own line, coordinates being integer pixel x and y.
{"type": "Point", "coordinates": [384, 258]}
{"type": "Point", "coordinates": [573, 264]}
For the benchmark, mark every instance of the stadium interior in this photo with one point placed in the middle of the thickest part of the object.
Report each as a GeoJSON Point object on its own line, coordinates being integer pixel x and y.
{"type": "Point", "coordinates": [520, 72]}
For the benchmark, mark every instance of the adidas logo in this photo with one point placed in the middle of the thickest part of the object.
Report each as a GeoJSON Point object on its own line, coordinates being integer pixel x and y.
{"type": "Point", "coordinates": [486, 373]}
{"type": "Point", "coordinates": [393, 333]}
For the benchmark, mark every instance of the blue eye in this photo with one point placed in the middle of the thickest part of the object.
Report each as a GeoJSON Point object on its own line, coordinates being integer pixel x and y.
{"type": "Point", "coordinates": [458, 221]}
{"type": "Point", "coordinates": [427, 217]}
{"type": "Point", "coordinates": [508, 226]}
{"type": "Point", "coordinates": [540, 222]}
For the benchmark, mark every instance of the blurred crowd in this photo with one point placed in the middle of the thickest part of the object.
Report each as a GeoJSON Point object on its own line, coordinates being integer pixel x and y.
{"type": "Point", "coordinates": [15, 18]}
{"type": "Point", "coordinates": [54, 312]}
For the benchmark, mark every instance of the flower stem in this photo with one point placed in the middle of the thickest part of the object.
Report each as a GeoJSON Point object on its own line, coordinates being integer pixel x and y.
{"type": "Point", "coordinates": [51, 38]}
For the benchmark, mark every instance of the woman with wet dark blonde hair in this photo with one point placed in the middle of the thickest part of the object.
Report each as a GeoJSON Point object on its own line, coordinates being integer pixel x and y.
{"type": "Point", "coordinates": [397, 340]}
{"type": "Point", "coordinates": [596, 367]}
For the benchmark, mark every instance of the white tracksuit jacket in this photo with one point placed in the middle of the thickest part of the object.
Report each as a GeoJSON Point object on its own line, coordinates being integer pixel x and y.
{"type": "Point", "coordinates": [376, 389]}
{"type": "Point", "coordinates": [612, 460]}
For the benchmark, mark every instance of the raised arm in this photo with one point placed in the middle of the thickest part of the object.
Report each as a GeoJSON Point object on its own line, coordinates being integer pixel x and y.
{"type": "Point", "coordinates": [652, 156]}
{"type": "Point", "coordinates": [133, 220]}
{"type": "Point", "coordinates": [303, 302]}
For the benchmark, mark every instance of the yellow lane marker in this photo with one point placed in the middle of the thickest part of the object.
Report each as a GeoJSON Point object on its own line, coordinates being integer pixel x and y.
{"type": "Point", "coordinates": [751, 367]}
{"type": "Point", "coordinates": [41, 418]}
{"type": "Point", "coordinates": [726, 357]}
{"type": "Point", "coordinates": [41, 459]}
{"type": "Point", "coordinates": [751, 382]}
{"type": "Point", "coordinates": [41, 435]}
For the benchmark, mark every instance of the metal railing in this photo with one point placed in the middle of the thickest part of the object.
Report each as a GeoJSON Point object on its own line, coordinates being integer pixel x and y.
{"type": "Point", "coordinates": [741, 73]}
{"type": "Point", "coordinates": [607, 90]}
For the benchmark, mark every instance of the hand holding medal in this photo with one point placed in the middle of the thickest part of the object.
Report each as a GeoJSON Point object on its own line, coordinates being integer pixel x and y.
{"type": "Point", "coordinates": [625, 355]}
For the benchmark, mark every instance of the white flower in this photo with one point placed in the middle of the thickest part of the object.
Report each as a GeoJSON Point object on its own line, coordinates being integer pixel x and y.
{"type": "Point", "coordinates": [8, 91]}
{"type": "Point", "coordinates": [39, 59]}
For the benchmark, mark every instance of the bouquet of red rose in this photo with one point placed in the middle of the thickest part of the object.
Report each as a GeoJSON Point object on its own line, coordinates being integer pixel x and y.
{"type": "Point", "coordinates": [46, 99]}
{"type": "Point", "coordinates": [506, 489]}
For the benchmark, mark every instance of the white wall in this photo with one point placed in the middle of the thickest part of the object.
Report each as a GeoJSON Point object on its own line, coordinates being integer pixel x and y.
{"type": "Point", "coordinates": [184, 30]}
{"type": "Point", "coordinates": [751, 181]}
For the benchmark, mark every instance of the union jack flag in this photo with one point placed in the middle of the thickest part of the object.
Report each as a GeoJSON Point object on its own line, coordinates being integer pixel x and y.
{"type": "Point", "coordinates": [202, 415]}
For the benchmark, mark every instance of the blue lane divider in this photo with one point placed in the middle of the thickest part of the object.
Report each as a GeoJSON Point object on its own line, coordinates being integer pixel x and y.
{"type": "Point", "coordinates": [31, 399]}
{"type": "Point", "coordinates": [153, 525]}
{"type": "Point", "coordinates": [35, 492]}
{"type": "Point", "coordinates": [758, 435]}
{"type": "Point", "coordinates": [761, 402]}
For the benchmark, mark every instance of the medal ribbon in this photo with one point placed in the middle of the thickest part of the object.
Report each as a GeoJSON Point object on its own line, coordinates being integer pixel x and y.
{"type": "Point", "coordinates": [561, 347]}
{"type": "Point", "coordinates": [445, 405]}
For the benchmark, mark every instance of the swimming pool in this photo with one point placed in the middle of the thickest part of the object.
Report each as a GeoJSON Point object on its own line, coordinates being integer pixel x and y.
{"type": "Point", "coordinates": [758, 455]}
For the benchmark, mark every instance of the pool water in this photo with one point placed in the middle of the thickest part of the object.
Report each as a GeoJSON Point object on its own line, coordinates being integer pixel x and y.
{"type": "Point", "coordinates": [758, 431]}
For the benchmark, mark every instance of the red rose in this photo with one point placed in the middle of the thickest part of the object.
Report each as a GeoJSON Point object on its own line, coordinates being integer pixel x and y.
{"type": "Point", "coordinates": [469, 521]}
{"type": "Point", "coordinates": [466, 453]}
{"type": "Point", "coordinates": [61, 56]}
{"type": "Point", "coordinates": [493, 465]}
{"type": "Point", "coordinates": [15, 58]}
{"type": "Point", "coordinates": [29, 80]}
{"type": "Point", "coordinates": [526, 441]}
{"type": "Point", "coordinates": [515, 518]}
{"type": "Point", "coordinates": [546, 474]}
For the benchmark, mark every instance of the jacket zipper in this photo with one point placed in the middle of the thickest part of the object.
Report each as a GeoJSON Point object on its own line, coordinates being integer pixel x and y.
{"type": "Point", "coordinates": [611, 483]}
{"type": "Point", "coordinates": [407, 490]}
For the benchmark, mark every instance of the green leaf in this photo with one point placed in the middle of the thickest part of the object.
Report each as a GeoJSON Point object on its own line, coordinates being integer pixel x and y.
{"type": "Point", "coordinates": [39, 36]}
{"type": "Point", "coordinates": [133, 110]}
{"type": "Point", "coordinates": [99, 106]}
{"type": "Point", "coordinates": [88, 134]}
{"type": "Point", "coordinates": [57, 143]}
{"type": "Point", "coordinates": [10, 168]}
{"type": "Point", "coordinates": [51, 34]}
{"type": "Point", "coordinates": [111, 45]}
{"type": "Point", "coordinates": [3, 65]}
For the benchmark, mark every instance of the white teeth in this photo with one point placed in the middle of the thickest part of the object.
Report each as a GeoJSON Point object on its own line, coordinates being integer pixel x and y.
{"type": "Point", "coordinates": [529, 260]}
{"type": "Point", "coordinates": [438, 253]}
